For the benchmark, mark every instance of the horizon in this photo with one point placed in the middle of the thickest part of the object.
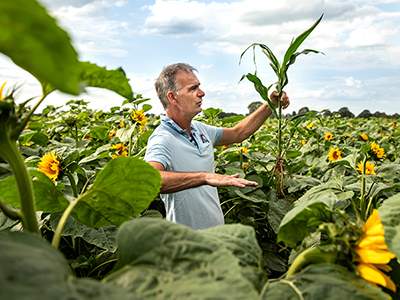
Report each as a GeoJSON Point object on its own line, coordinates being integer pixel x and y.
{"type": "Point", "coordinates": [360, 40]}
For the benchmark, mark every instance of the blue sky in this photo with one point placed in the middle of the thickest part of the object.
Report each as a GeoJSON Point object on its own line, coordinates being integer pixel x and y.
{"type": "Point", "coordinates": [360, 39]}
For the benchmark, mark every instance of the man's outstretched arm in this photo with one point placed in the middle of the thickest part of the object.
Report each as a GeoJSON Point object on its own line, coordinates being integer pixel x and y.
{"type": "Point", "coordinates": [251, 123]}
{"type": "Point", "coordinates": [172, 182]}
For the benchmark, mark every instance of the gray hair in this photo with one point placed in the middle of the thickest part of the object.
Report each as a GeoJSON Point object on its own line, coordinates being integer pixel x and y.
{"type": "Point", "coordinates": [166, 81]}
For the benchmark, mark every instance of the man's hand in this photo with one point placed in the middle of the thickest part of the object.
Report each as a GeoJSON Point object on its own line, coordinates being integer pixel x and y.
{"type": "Point", "coordinates": [284, 99]}
{"type": "Point", "coordinates": [228, 180]}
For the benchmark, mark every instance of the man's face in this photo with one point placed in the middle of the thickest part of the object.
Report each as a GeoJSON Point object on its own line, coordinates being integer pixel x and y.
{"type": "Point", "coordinates": [189, 95]}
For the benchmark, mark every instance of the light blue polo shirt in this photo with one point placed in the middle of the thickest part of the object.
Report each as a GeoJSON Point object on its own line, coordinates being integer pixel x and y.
{"type": "Point", "coordinates": [171, 146]}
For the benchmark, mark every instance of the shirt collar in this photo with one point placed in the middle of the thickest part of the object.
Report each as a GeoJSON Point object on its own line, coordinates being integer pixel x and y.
{"type": "Point", "coordinates": [171, 123]}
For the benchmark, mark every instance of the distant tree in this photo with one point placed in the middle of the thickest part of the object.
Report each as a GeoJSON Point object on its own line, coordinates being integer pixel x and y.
{"type": "Point", "coordinates": [253, 106]}
{"type": "Point", "coordinates": [365, 114]}
{"type": "Point", "coordinates": [326, 113]}
{"type": "Point", "coordinates": [227, 114]}
{"type": "Point", "coordinates": [303, 110]}
{"type": "Point", "coordinates": [344, 112]}
{"type": "Point", "coordinates": [379, 114]}
{"type": "Point", "coordinates": [395, 115]}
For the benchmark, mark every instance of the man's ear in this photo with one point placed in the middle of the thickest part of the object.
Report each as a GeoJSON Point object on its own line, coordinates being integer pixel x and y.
{"type": "Point", "coordinates": [171, 97]}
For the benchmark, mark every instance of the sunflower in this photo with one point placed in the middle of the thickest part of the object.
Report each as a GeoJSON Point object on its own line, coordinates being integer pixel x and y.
{"type": "Point", "coordinates": [244, 150]}
{"type": "Point", "coordinates": [50, 165]}
{"type": "Point", "coordinates": [334, 154]}
{"type": "Point", "coordinates": [310, 125]}
{"type": "Point", "coordinates": [328, 136]}
{"type": "Point", "coordinates": [111, 133]}
{"type": "Point", "coordinates": [364, 137]}
{"type": "Point", "coordinates": [139, 117]}
{"type": "Point", "coordinates": [374, 146]}
{"type": "Point", "coordinates": [373, 254]}
{"type": "Point", "coordinates": [369, 168]}
{"type": "Point", "coordinates": [380, 152]}
{"type": "Point", "coordinates": [377, 150]}
{"type": "Point", "coordinates": [120, 150]}
{"type": "Point", "coordinates": [1, 90]}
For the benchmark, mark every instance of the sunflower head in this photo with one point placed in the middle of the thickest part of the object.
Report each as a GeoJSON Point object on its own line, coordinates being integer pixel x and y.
{"type": "Point", "coordinates": [111, 133]}
{"type": "Point", "coordinates": [374, 146]}
{"type": "Point", "coordinates": [139, 117]}
{"type": "Point", "coordinates": [364, 137]}
{"type": "Point", "coordinates": [120, 150]}
{"type": "Point", "coordinates": [310, 125]}
{"type": "Point", "coordinates": [369, 168]}
{"type": "Point", "coordinates": [334, 154]}
{"type": "Point", "coordinates": [50, 165]}
{"type": "Point", "coordinates": [244, 150]}
{"type": "Point", "coordinates": [380, 152]}
{"type": "Point", "coordinates": [328, 136]}
{"type": "Point", "coordinates": [373, 254]}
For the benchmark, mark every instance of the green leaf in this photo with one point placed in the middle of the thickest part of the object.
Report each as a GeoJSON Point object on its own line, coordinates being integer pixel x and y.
{"type": "Point", "coordinates": [34, 41]}
{"type": "Point", "coordinates": [114, 80]}
{"type": "Point", "coordinates": [47, 197]}
{"type": "Point", "coordinates": [262, 91]}
{"type": "Point", "coordinates": [390, 217]}
{"type": "Point", "coordinates": [32, 269]}
{"type": "Point", "coordinates": [163, 260]}
{"type": "Point", "coordinates": [323, 281]}
{"type": "Point", "coordinates": [103, 237]}
{"type": "Point", "coordinates": [121, 191]}
{"type": "Point", "coordinates": [296, 44]}
{"type": "Point", "coordinates": [99, 132]}
{"type": "Point", "coordinates": [313, 208]}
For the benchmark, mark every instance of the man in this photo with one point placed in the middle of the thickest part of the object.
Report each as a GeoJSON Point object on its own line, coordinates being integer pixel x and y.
{"type": "Point", "coordinates": [182, 149]}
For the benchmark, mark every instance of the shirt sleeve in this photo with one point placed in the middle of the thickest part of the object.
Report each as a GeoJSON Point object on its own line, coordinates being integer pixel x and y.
{"type": "Point", "coordinates": [157, 150]}
{"type": "Point", "coordinates": [215, 133]}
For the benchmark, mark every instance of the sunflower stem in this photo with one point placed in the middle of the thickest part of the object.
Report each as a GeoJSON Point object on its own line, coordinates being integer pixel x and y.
{"type": "Point", "coordinates": [73, 184]}
{"type": "Point", "coordinates": [9, 152]}
{"type": "Point", "coordinates": [61, 224]}
{"type": "Point", "coordinates": [362, 196]}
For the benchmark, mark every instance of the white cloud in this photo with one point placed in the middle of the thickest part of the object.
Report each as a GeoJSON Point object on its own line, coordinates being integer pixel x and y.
{"type": "Point", "coordinates": [93, 33]}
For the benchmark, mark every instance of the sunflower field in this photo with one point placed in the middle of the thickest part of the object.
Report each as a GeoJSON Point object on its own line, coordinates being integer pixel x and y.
{"type": "Point", "coordinates": [80, 216]}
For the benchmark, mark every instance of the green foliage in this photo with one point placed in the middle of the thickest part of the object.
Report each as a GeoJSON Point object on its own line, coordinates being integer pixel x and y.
{"type": "Point", "coordinates": [114, 80]}
{"type": "Point", "coordinates": [48, 198]}
{"type": "Point", "coordinates": [171, 261]}
{"type": "Point", "coordinates": [322, 281]}
{"type": "Point", "coordinates": [33, 40]}
{"type": "Point", "coordinates": [313, 208]}
{"type": "Point", "coordinates": [389, 213]}
{"type": "Point", "coordinates": [121, 191]}
{"type": "Point", "coordinates": [32, 269]}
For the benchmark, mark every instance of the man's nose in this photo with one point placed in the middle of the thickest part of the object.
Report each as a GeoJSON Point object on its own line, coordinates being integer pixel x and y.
{"type": "Point", "coordinates": [201, 93]}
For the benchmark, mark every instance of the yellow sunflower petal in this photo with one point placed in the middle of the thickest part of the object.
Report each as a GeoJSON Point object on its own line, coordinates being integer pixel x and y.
{"type": "Point", "coordinates": [374, 256]}
{"type": "Point", "coordinates": [374, 275]}
{"type": "Point", "coordinates": [373, 219]}
{"type": "Point", "coordinates": [373, 242]}
{"type": "Point", "coordinates": [1, 90]}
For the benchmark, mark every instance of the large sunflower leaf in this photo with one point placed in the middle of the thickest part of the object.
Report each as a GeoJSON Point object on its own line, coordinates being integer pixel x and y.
{"type": "Point", "coordinates": [31, 269]}
{"type": "Point", "coordinates": [121, 191]}
{"type": "Point", "coordinates": [34, 41]}
{"type": "Point", "coordinates": [323, 281]}
{"type": "Point", "coordinates": [163, 260]}
{"type": "Point", "coordinates": [47, 197]}
{"type": "Point", "coordinates": [390, 216]}
{"type": "Point", "coordinates": [114, 80]}
{"type": "Point", "coordinates": [313, 208]}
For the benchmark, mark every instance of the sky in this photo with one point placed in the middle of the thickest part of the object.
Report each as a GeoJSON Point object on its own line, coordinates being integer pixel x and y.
{"type": "Point", "coordinates": [360, 39]}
